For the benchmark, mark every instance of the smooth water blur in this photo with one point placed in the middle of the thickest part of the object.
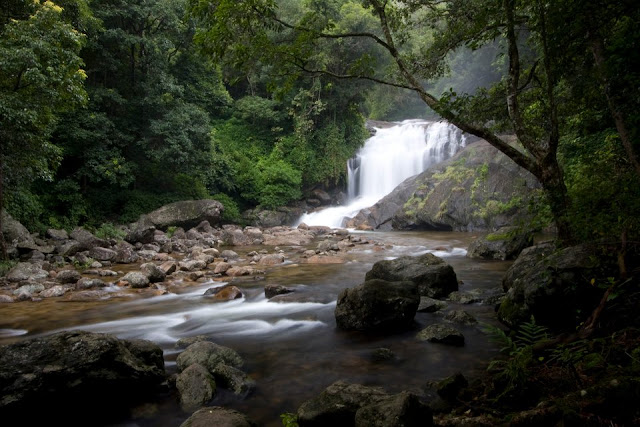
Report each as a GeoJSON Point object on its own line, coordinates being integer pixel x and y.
{"type": "Point", "coordinates": [387, 158]}
{"type": "Point", "coordinates": [290, 344]}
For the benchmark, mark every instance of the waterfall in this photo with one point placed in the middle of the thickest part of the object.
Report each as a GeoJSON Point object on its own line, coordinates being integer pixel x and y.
{"type": "Point", "coordinates": [389, 157]}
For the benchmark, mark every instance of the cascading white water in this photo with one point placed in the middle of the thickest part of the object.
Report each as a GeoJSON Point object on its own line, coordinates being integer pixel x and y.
{"type": "Point", "coordinates": [386, 159]}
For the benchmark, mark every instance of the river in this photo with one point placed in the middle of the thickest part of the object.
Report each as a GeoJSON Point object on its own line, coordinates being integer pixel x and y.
{"type": "Point", "coordinates": [291, 347]}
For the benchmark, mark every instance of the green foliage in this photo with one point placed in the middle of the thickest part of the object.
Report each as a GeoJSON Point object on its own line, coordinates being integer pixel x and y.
{"type": "Point", "coordinates": [605, 190]}
{"type": "Point", "coordinates": [231, 213]}
{"type": "Point", "coordinates": [278, 183]}
{"type": "Point", "coordinates": [25, 207]}
{"type": "Point", "coordinates": [65, 205]}
{"type": "Point", "coordinates": [170, 230]}
{"type": "Point", "coordinates": [289, 419]}
{"type": "Point", "coordinates": [137, 203]}
{"type": "Point", "coordinates": [6, 266]}
{"type": "Point", "coordinates": [40, 78]}
{"type": "Point", "coordinates": [82, 265]}
{"type": "Point", "coordinates": [515, 370]}
{"type": "Point", "coordinates": [109, 231]}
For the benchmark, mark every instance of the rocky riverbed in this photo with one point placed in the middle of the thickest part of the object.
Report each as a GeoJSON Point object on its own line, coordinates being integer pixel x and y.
{"type": "Point", "coordinates": [269, 294]}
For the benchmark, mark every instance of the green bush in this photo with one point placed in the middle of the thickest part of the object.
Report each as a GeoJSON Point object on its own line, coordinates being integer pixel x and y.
{"type": "Point", "coordinates": [139, 202]}
{"type": "Point", "coordinates": [231, 212]}
{"type": "Point", "coordinates": [25, 207]}
{"type": "Point", "coordinates": [108, 231]}
{"type": "Point", "coordinates": [279, 183]}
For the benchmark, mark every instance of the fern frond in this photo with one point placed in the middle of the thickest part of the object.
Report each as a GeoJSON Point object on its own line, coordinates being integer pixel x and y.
{"type": "Point", "coordinates": [499, 337]}
{"type": "Point", "coordinates": [530, 334]}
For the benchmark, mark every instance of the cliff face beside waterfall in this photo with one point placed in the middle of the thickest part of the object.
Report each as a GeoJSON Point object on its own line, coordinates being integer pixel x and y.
{"type": "Point", "coordinates": [477, 189]}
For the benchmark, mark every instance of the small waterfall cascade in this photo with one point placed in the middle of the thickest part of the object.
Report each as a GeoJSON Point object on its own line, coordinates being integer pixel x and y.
{"type": "Point", "coordinates": [389, 157]}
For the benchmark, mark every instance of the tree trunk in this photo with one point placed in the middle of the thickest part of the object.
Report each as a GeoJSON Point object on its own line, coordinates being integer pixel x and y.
{"type": "Point", "coordinates": [552, 180]}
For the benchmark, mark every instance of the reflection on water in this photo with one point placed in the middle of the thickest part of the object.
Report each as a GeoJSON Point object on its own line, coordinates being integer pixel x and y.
{"type": "Point", "coordinates": [290, 344]}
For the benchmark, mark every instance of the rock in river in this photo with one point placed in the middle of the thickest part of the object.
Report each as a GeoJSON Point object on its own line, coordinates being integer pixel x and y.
{"type": "Point", "coordinates": [40, 376]}
{"type": "Point", "coordinates": [377, 305]}
{"type": "Point", "coordinates": [434, 277]}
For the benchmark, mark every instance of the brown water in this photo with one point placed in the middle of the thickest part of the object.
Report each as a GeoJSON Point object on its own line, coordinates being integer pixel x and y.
{"type": "Point", "coordinates": [291, 347]}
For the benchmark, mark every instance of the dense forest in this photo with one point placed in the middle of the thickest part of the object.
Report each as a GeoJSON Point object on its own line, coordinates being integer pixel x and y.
{"type": "Point", "coordinates": [112, 108]}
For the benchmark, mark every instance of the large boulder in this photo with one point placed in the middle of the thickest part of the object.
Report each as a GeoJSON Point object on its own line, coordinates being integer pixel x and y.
{"type": "Point", "coordinates": [185, 214]}
{"type": "Point", "coordinates": [555, 285]}
{"type": "Point", "coordinates": [401, 410]}
{"type": "Point", "coordinates": [503, 244]}
{"type": "Point", "coordinates": [87, 240]}
{"type": "Point", "coordinates": [24, 271]}
{"type": "Point", "coordinates": [477, 189]}
{"type": "Point", "coordinates": [14, 231]}
{"type": "Point", "coordinates": [377, 305]}
{"type": "Point", "coordinates": [40, 376]}
{"type": "Point", "coordinates": [337, 404]}
{"type": "Point", "coordinates": [344, 404]}
{"type": "Point", "coordinates": [434, 277]}
{"type": "Point", "coordinates": [219, 417]}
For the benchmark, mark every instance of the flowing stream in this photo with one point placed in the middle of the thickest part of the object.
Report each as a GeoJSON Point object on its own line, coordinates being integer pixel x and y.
{"type": "Point", "coordinates": [291, 347]}
{"type": "Point", "coordinates": [387, 158]}
{"type": "Point", "coordinates": [290, 344]}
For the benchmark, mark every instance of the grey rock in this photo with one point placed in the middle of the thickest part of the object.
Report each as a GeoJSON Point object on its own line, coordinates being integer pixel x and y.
{"type": "Point", "coordinates": [102, 254]}
{"type": "Point", "coordinates": [86, 239]}
{"type": "Point", "coordinates": [337, 404]}
{"type": "Point", "coordinates": [192, 265]}
{"type": "Point", "coordinates": [153, 272]}
{"type": "Point", "coordinates": [377, 305]}
{"type": "Point", "coordinates": [141, 231]}
{"type": "Point", "coordinates": [441, 334]}
{"type": "Point", "coordinates": [125, 253]}
{"type": "Point", "coordinates": [430, 305]}
{"type": "Point", "coordinates": [224, 293]}
{"type": "Point", "coordinates": [195, 386]}
{"type": "Point", "coordinates": [86, 368]}
{"type": "Point", "coordinates": [14, 231]}
{"type": "Point", "coordinates": [401, 410]}
{"type": "Point", "coordinates": [55, 291]}
{"type": "Point", "coordinates": [68, 276]}
{"type": "Point", "coordinates": [504, 244]}
{"type": "Point", "coordinates": [477, 189]}
{"type": "Point", "coordinates": [382, 354]}
{"type": "Point", "coordinates": [434, 277]}
{"type": "Point", "coordinates": [55, 234]}
{"type": "Point", "coordinates": [209, 355]}
{"type": "Point", "coordinates": [271, 291]}
{"type": "Point", "coordinates": [70, 248]}
{"type": "Point", "coordinates": [87, 283]}
{"type": "Point", "coordinates": [554, 286]}
{"type": "Point", "coordinates": [229, 254]}
{"type": "Point", "coordinates": [463, 297]}
{"type": "Point", "coordinates": [29, 289]}
{"type": "Point", "coordinates": [233, 379]}
{"type": "Point", "coordinates": [460, 316]}
{"type": "Point", "coordinates": [219, 417]}
{"type": "Point", "coordinates": [273, 259]}
{"type": "Point", "coordinates": [136, 279]}
{"type": "Point", "coordinates": [186, 214]}
{"type": "Point", "coordinates": [26, 271]}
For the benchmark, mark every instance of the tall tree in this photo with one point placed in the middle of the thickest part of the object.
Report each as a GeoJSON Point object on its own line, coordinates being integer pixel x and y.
{"type": "Point", "coordinates": [40, 78]}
